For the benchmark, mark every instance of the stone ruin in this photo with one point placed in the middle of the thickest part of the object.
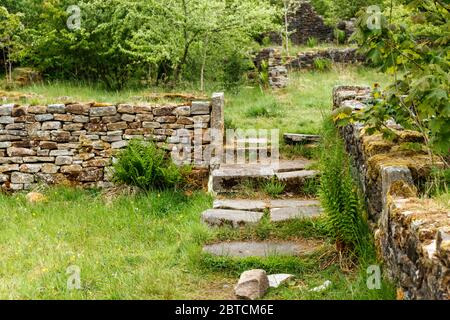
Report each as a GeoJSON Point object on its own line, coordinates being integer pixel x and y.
{"type": "Point", "coordinates": [278, 76]}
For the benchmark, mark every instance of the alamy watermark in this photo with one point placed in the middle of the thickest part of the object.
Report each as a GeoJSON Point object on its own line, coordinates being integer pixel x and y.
{"type": "Point", "coordinates": [74, 20]}
{"type": "Point", "coordinates": [373, 277]}
{"type": "Point", "coordinates": [74, 279]}
{"type": "Point", "coordinates": [374, 20]}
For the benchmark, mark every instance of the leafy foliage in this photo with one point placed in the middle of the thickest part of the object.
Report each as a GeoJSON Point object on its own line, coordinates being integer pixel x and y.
{"type": "Point", "coordinates": [322, 64]}
{"type": "Point", "coordinates": [146, 166]}
{"type": "Point", "coordinates": [420, 60]}
{"type": "Point", "coordinates": [338, 194]}
{"type": "Point", "coordinates": [273, 187]}
{"type": "Point", "coordinates": [312, 42]}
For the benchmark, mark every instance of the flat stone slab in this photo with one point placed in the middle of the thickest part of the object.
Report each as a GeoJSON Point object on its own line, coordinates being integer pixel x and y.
{"type": "Point", "coordinates": [296, 138]}
{"type": "Point", "coordinates": [291, 203]}
{"type": "Point", "coordinates": [261, 249]}
{"type": "Point", "coordinates": [304, 174]}
{"type": "Point", "coordinates": [285, 214]}
{"type": "Point", "coordinates": [234, 218]}
{"type": "Point", "coordinates": [240, 204]}
{"type": "Point", "coordinates": [276, 280]}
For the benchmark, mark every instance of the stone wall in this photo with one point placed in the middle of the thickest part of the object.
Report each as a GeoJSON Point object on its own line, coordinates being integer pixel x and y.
{"type": "Point", "coordinates": [277, 72]}
{"type": "Point", "coordinates": [303, 23]}
{"type": "Point", "coordinates": [76, 143]}
{"type": "Point", "coordinates": [412, 234]}
{"type": "Point", "coordinates": [305, 60]}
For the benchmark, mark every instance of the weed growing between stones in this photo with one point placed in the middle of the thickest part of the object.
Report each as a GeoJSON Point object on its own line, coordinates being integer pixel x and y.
{"type": "Point", "coordinates": [273, 187]}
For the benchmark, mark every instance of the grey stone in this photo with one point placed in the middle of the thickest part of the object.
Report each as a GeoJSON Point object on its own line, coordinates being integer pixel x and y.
{"type": "Point", "coordinates": [119, 144]}
{"type": "Point", "coordinates": [6, 109]}
{"type": "Point", "coordinates": [182, 111]}
{"type": "Point", "coordinates": [44, 117]}
{"type": "Point", "coordinates": [20, 178]}
{"type": "Point", "coordinates": [291, 203]}
{"type": "Point", "coordinates": [200, 107]}
{"type": "Point", "coordinates": [63, 160]}
{"type": "Point", "coordinates": [51, 125]}
{"type": "Point", "coordinates": [252, 285]}
{"type": "Point", "coordinates": [276, 280]}
{"type": "Point", "coordinates": [56, 108]}
{"type": "Point", "coordinates": [240, 204]}
{"type": "Point", "coordinates": [4, 145]}
{"type": "Point", "coordinates": [6, 120]}
{"type": "Point", "coordinates": [284, 214]}
{"type": "Point", "coordinates": [260, 249]}
{"type": "Point", "coordinates": [102, 111]}
{"type": "Point", "coordinates": [30, 168]}
{"type": "Point", "coordinates": [234, 218]}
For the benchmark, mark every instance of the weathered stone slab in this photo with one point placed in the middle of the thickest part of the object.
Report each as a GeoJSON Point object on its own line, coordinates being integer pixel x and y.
{"type": "Point", "coordinates": [294, 138]}
{"type": "Point", "coordinates": [291, 203]}
{"type": "Point", "coordinates": [234, 218]}
{"type": "Point", "coordinates": [276, 280]}
{"type": "Point", "coordinates": [261, 249]}
{"type": "Point", "coordinates": [284, 214]}
{"type": "Point", "coordinates": [240, 204]}
{"type": "Point", "coordinates": [252, 285]}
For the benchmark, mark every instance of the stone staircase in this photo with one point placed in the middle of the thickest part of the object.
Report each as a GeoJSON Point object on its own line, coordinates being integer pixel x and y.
{"type": "Point", "coordinates": [236, 213]}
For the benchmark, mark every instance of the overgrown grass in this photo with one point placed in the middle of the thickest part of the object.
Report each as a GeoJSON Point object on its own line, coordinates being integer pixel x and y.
{"type": "Point", "coordinates": [134, 247]}
{"type": "Point", "coordinates": [301, 106]}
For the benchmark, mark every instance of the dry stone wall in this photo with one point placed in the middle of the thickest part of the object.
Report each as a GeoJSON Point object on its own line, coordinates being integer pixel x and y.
{"type": "Point", "coordinates": [76, 143]}
{"type": "Point", "coordinates": [412, 234]}
{"type": "Point", "coordinates": [305, 60]}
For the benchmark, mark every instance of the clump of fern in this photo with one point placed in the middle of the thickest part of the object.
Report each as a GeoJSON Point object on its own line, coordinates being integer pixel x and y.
{"type": "Point", "coordinates": [339, 195]}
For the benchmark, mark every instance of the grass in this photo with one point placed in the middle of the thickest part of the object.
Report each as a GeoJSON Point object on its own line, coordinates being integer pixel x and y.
{"type": "Point", "coordinates": [301, 106]}
{"type": "Point", "coordinates": [135, 247]}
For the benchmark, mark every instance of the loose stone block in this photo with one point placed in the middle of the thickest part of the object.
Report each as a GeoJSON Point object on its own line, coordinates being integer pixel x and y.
{"type": "Point", "coordinates": [71, 169]}
{"type": "Point", "coordinates": [90, 175]}
{"type": "Point", "coordinates": [119, 144]}
{"type": "Point", "coordinates": [166, 119]}
{"type": "Point", "coordinates": [60, 136]}
{"type": "Point", "coordinates": [20, 152]}
{"type": "Point", "coordinates": [102, 111]}
{"type": "Point", "coordinates": [111, 119]}
{"type": "Point", "coordinates": [8, 168]}
{"type": "Point", "coordinates": [144, 117]}
{"type": "Point", "coordinates": [56, 108]}
{"type": "Point", "coordinates": [143, 109]}
{"type": "Point", "coordinates": [4, 145]}
{"type": "Point", "coordinates": [37, 109]}
{"type": "Point", "coordinates": [30, 168]}
{"type": "Point", "coordinates": [19, 111]}
{"type": "Point", "coordinates": [80, 109]}
{"type": "Point", "coordinates": [44, 117]}
{"type": "Point", "coordinates": [128, 117]}
{"type": "Point", "coordinates": [63, 160]}
{"type": "Point", "coordinates": [80, 119]}
{"type": "Point", "coordinates": [20, 178]}
{"type": "Point", "coordinates": [64, 117]}
{"type": "Point", "coordinates": [50, 145]}
{"type": "Point", "coordinates": [182, 111]}
{"type": "Point", "coordinates": [60, 152]}
{"type": "Point", "coordinates": [200, 107]}
{"type": "Point", "coordinates": [73, 127]}
{"type": "Point", "coordinates": [49, 168]}
{"type": "Point", "coordinates": [125, 108]}
{"type": "Point", "coordinates": [6, 109]}
{"type": "Point", "coordinates": [117, 126]}
{"type": "Point", "coordinates": [151, 125]}
{"type": "Point", "coordinates": [252, 285]}
{"type": "Point", "coordinates": [235, 218]}
{"type": "Point", "coordinates": [51, 125]}
{"type": "Point", "coordinates": [6, 120]}
{"type": "Point", "coordinates": [163, 111]}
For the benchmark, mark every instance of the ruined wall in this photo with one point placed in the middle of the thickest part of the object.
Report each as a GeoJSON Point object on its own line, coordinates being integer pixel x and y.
{"type": "Point", "coordinates": [277, 72]}
{"type": "Point", "coordinates": [305, 60]}
{"type": "Point", "coordinates": [412, 234]}
{"type": "Point", "coordinates": [76, 143]}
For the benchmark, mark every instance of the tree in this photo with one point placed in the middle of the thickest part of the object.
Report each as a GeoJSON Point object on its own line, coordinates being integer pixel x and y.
{"type": "Point", "coordinates": [10, 27]}
{"type": "Point", "coordinates": [415, 49]}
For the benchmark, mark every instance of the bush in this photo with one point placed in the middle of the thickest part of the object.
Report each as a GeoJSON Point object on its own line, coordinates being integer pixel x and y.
{"type": "Point", "coordinates": [339, 36]}
{"type": "Point", "coordinates": [322, 64]}
{"type": "Point", "coordinates": [234, 69]}
{"type": "Point", "coordinates": [312, 42]}
{"type": "Point", "coordinates": [146, 166]}
{"type": "Point", "coordinates": [273, 187]}
{"type": "Point", "coordinates": [338, 194]}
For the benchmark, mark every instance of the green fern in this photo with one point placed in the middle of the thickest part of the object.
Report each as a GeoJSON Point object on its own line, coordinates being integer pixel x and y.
{"type": "Point", "coordinates": [338, 193]}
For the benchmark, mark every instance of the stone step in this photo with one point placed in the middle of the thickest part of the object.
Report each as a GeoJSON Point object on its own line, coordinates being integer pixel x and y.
{"type": "Point", "coordinates": [285, 214]}
{"type": "Point", "coordinates": [262, 249]}
{"type": "Point", "coordinates": [228, 178]}
{"type": "Point", "coordinates": [240, 204]}
{"type": "Point", "coordinates": [234, 218]}
{"type": "Point", "coordinates": [296, 138]}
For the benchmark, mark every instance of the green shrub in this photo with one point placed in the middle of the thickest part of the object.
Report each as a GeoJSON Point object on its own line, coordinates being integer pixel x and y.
{"type": "Point", "coordinates": [273, 187]}
{"type": "Point", "coordinates": [312, 42]}
{"type": "Point", "coordinates": [322, 64]}
{"type": "Point", "coordinates": [233, 71]}
{"type": "Point", "coordinates": [339, 36]}
{"type": "Point", "coordinates": [263, 75]}
{"type": "Point", "coordinates": [146, 166]}
{"type": "Point", "coordinates": [338, 194]}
